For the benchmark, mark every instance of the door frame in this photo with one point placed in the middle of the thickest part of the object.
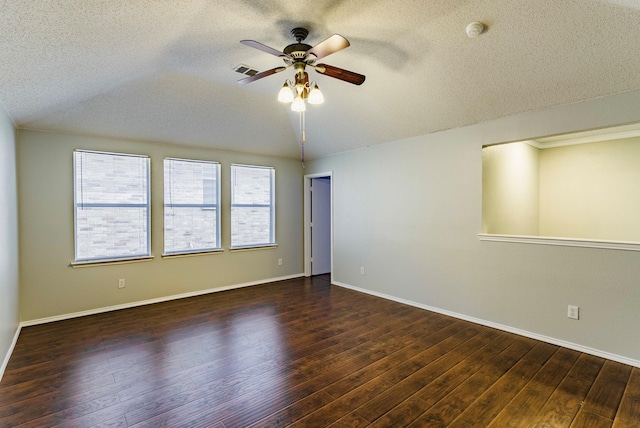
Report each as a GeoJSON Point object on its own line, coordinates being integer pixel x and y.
{"type": "Point", "coordinates": [307, 219]}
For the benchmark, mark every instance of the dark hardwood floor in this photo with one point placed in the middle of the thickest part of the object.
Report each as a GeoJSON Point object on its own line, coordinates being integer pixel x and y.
{"type": "Point", "coordinates": [307, 354]}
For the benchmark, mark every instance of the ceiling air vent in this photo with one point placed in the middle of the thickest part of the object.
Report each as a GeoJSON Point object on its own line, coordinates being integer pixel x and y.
{"type": "Point", "coordinates": [245, 69]}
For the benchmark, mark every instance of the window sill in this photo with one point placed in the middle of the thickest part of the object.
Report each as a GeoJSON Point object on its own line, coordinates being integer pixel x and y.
{"type": "Point", "coordinates": [195, 253]}
{"type": "Point", "coordinates": [257, 247]}
{"type": "Point", "coordinates": [109, 262]}
{"type": "Point", "coordinates": [564, 242]}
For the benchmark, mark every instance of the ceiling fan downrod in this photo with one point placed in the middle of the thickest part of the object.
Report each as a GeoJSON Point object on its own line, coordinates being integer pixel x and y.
{"type": "Point", "coordinates": [300, 34]}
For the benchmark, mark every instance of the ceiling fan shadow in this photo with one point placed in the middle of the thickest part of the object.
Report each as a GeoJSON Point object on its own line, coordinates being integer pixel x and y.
{"type": "Point", "coordinates": [386, 53]}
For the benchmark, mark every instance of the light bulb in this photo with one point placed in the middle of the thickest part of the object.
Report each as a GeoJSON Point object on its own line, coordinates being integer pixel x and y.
{"type": "Point", "coordinates": [298, 104]}
{"type": "Point", "coordinates": [286, 94]}
{"type": "Point", "coordinates": [315, 96]}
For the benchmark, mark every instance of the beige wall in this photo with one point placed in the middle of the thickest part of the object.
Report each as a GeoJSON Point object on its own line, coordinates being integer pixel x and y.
{"type": "Point", "coordinates": [591, 191]}
{"type": "Point", "coordinates": [415, 230]}
{"type": "Point", "coordinates": [510, 189]}
{"type": "Point", "coordinates": [49, 287]}
{"type": "Point", "coordinates": [9, 304]}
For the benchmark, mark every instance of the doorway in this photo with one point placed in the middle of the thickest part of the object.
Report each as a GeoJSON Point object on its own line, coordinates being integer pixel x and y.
{"type": "Point", "coordinates": [318, 219]}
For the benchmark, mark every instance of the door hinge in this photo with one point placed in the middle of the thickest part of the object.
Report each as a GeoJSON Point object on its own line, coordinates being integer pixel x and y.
{"type": "Point", "coordinates": [311, 224]}
{"type": "Point", "coordinates": [311, 259]}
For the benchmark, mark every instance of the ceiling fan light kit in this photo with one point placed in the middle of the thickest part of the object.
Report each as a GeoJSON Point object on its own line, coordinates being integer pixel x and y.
{"type": "Point", "coordinates": [300, 55]}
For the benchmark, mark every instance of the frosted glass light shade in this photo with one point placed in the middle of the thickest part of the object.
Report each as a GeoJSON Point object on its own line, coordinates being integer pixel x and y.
{"type": "Point", "coordinates": [286, 94]}
{"type": "Point", "coordinates": [315, 96]}
{"type": "Point", "coordinates": [298, 104]}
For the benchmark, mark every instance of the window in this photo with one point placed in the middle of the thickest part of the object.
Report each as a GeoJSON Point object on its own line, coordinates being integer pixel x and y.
{"type": "Point", "coordinates": [191, 206]}
{"type": "Point", "coordinates": [252, 206]}
{"type": "Point", "coordinates": [111, 199]}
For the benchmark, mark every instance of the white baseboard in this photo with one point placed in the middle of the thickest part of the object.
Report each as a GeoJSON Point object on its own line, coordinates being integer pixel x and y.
{"type": "Point", "coordinates": [547, 339]}
{"type": "Point", "coordinates": [5, 362]}
{"type": "Point", "coordinates": [152, 301]}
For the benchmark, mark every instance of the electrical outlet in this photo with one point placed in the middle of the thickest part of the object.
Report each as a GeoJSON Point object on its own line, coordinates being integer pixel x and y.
{"type": "Point", "coordinates": [121, 283]}
{"type": "Point", "coordinates": [279, 262]}
{"type": "Point", "coordinates": [573, 312]}
{"type": "Point", "coordinates": [361, 270]}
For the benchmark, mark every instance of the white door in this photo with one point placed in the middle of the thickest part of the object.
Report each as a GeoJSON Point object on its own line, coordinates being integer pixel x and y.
{"type": "Point", "coordinates": [320, 225]}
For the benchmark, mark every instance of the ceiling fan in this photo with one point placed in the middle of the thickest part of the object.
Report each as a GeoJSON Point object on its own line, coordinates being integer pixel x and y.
{"type": "Point", "coordinates": [300, 55]}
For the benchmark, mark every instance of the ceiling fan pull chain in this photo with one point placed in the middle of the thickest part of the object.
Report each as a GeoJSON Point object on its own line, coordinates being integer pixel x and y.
{"type": "Point", "coordinates": [303, 137]}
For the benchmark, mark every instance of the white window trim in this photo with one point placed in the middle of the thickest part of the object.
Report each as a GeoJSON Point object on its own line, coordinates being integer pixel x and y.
{"type": "Point", "coordinates": [192, 254]}
{"type": "Point", "coordinates": [253, 247]}
{"type": "Point", "coordinates": [272, 244]}
{"type": "Point", "coordinates": [111, 260]}
{"type": "Point", "coordinates": [200, 251]}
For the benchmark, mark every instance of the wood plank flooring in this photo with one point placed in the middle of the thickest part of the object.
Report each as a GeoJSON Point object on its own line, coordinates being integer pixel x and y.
{"type": "Point", "coordinates": [303, 353]}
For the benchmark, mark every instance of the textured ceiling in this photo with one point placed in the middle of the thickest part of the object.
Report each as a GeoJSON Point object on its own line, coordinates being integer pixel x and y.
{"type": "Point", "coordinates": [163, 70]}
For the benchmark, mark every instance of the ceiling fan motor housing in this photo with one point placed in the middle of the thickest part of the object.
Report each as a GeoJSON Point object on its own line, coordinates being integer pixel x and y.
{"type": "Point", "coordinates": [297, 50]}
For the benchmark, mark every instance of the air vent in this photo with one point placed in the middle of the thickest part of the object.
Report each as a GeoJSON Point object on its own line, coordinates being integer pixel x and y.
{"type": "Point", "coordinates": [245, 69]}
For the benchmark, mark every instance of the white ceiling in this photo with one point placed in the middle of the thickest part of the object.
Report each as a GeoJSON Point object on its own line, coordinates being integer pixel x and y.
{"type": "Point", "coordinates": [162, 70]}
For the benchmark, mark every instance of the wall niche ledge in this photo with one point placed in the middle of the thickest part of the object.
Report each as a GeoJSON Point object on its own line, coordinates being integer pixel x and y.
{"type": "Point", "coordinates": [564, 242]}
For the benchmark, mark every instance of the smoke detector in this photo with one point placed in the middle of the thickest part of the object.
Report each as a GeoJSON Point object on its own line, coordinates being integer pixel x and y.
{"type": "Point", "coordinates": [475, 29]}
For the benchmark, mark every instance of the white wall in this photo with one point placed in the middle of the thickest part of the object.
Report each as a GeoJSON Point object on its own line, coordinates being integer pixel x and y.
{"type": "Point", "coordinates": [591, 191]}
{"type": "Point", "coordinates": [50, 287]}
{"type": "Point", "coordinates": [9, 304]}
{"type": "Point", "coordinates": [410, 212]}
{"type": "Point", "coordinates": [510, 189]}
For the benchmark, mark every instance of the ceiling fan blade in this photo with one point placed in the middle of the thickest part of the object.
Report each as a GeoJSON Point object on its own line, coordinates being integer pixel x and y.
{"type": "Point", "coordinates": [327, 47]}
{"type": "Point", "coordinates": [264, 48]}
{"type": "Point", "coordinates": [339, 73]}
{"type": "Point", "coordinates": [261, 75]}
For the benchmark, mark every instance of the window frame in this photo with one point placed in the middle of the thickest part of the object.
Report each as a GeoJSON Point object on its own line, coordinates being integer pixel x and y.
{"type": "Point", "coordinates": [108, 259]}
{"type": "Point", "coordinates": [271, 205]}
{"type": "Point", "coordinates": [217, 206]}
